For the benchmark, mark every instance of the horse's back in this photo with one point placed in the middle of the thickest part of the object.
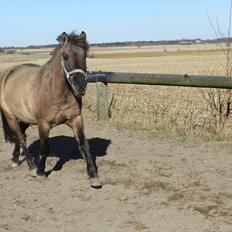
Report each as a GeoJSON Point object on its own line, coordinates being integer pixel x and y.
{"type": "Point", "coordinates": [19, 86]}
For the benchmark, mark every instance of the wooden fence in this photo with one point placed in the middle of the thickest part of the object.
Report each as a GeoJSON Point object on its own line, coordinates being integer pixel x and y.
{"type": "Point", "coordinates": [103, 78]}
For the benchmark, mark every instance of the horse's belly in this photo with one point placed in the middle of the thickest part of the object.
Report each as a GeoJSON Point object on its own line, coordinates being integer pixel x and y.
{"type": "Point", "coordinates": [22, 113]}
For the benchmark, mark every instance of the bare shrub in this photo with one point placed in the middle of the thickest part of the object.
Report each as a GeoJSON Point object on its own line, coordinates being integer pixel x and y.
{"type": "Point", "coordinates": [219, 101]}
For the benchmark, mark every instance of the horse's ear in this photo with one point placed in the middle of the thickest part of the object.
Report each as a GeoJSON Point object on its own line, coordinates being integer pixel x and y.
{"type": "Point", "coordinates": [82, 35]}
{"type": "Point", "coordinates": [62, 38]}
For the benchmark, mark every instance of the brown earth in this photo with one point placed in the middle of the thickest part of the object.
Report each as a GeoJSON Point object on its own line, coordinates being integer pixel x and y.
{"type": "Point", "coordinates": [149, 184]}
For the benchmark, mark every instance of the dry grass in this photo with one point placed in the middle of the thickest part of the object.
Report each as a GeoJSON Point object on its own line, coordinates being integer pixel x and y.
{"type": "Point", "coordinates": [175, 110]}
{"type": "Point", "coordinates": [172, 110]}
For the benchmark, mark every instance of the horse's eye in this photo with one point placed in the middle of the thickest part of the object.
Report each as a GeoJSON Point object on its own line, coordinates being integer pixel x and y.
{"type": "Point", "coordinates": [65, 56]}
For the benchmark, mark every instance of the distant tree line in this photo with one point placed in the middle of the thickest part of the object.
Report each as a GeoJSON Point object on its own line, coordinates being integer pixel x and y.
{"type": "Point", "coordinates": [139, 43]}
{"type": "Point", "coordinates": [162, 42]}
{"type": "Point", "coordinates": [134, 43]}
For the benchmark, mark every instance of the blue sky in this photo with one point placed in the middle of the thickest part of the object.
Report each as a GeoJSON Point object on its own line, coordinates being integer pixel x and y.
{"type": "Point", "coordinates": [28, 22]}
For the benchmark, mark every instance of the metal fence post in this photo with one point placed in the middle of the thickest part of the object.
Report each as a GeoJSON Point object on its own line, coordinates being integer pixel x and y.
{"type": "Point", "coordinates": [102, 101]}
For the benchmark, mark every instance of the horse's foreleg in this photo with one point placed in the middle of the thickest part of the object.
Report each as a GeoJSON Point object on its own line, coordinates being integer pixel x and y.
{"type": "Point", "coordinates": [78, 130]}
{"type": "Point", "coordinates": [44, 148]}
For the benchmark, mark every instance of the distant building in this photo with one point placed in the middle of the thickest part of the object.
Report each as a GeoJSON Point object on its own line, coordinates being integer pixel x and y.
{"type": "Point", "coordinates": [198, 41]}
{"type": "Point", "coordinates": [186, 42]}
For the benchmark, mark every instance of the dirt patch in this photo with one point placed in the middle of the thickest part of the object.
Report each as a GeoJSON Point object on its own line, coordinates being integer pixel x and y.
{"type": "Point", "coordinates": [149, 184]}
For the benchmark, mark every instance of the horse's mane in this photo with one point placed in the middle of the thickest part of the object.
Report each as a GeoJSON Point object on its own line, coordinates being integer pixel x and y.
{"type": "Point", "coordinates": [75, 39]}
{"type": "Point", "coordinates": [72, 38]}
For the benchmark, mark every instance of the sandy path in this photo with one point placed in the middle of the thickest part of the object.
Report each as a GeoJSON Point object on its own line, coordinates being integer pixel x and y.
{"type": "Point", "coordinates": [149, 184]}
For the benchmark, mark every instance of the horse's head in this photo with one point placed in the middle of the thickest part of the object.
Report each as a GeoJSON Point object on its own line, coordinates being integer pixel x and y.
{"type": "Point", "coordinates": [73, 61]}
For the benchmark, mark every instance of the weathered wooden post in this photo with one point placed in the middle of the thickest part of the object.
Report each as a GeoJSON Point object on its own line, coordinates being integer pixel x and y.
{"type": "Point", "coordinates": [102, 101]}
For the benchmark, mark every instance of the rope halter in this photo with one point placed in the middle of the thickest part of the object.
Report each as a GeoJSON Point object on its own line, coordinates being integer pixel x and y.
{"type": "Point", "coordinates": [69, 73]}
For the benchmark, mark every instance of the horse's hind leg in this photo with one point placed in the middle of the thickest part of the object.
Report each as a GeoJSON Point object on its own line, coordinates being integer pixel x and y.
{"type": "Point", "coordinates": [16, 152]}
{"type": "Point", "coordinates": [14, 126]}
{"type": "Point", "coordinates": [15, 155]}
{"type": "Point", "coordinates": [23, 126]}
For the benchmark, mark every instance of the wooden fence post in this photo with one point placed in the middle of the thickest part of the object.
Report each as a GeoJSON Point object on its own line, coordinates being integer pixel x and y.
{"type": "Point", "coordinates": [102, 101]}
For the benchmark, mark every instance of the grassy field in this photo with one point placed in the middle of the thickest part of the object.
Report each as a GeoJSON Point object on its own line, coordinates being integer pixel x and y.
{"type": "Point", "coordinates": [172, 110]}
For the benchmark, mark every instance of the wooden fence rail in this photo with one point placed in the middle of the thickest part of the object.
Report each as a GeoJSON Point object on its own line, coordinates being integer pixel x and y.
{"type": "Point", "coordinates": [102, 78]}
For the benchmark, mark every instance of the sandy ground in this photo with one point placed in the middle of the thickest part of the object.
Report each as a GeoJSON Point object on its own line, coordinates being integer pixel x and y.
{"type": "Point", "coordinates": [149, 184]}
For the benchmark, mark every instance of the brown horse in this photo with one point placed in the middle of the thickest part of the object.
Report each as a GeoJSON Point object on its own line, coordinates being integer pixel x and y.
{"type": "Point", "coordinates": [47, 96]}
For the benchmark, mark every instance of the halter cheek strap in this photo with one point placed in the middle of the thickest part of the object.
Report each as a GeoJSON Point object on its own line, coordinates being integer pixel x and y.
{"type": "Point", "coordinates": [68, 74]}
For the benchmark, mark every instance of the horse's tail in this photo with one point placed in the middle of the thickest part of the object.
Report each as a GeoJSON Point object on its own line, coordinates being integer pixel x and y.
{"type": "Point", "coordinates": [8, 133]}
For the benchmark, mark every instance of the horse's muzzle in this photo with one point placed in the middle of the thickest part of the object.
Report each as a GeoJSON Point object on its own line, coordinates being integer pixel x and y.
{"type": "Point", "coordinates": [78, 83]}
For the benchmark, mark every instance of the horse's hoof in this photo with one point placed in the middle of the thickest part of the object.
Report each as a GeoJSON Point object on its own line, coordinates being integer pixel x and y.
{"type": "Point", "coordinates": [14, 164]}
{"type": "Point", "coordinates": [95, 183]}
{"type": "Point", "coordinates": [32, 172]}
{"type": "Point", "coordinates": [40, 173]}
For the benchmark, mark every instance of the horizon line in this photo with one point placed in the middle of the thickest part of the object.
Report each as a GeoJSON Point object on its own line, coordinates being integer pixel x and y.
{"type": "Point", "coordinates": [168, 41]}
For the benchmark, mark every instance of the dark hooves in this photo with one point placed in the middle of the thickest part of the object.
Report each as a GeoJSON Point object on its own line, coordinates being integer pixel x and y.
{"type": "Point", "coordinates": [95, 183]}
{"type": "Point", "coordinates": [40, 173]}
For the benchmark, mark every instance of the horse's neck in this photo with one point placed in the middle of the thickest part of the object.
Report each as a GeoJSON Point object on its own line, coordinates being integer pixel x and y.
{"type": "Point", "coordinates": [58, 85]}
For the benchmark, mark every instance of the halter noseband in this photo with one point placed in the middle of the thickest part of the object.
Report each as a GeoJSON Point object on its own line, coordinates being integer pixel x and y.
{"type": "Point", "coordinates": [68, 74]}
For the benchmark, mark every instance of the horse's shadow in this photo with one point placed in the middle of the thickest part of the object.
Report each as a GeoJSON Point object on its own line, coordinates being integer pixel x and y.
{"type": "Point", "coordinates": [66, 148]}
